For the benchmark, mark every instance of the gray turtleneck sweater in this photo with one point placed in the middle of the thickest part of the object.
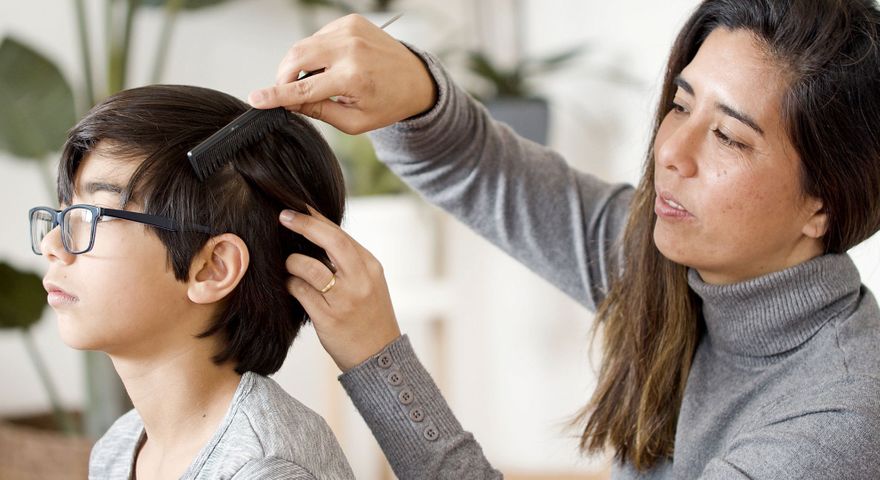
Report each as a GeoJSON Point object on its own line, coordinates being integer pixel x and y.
{"type": "Point", "coordinates": [785, 383]}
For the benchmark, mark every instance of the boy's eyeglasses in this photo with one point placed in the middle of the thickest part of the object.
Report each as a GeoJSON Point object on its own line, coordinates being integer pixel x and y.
{"type": "Point", "coordinates": [78, 225]}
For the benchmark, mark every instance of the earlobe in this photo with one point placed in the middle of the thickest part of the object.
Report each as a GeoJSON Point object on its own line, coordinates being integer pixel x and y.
{"type": "Point", "coordinates": [218, 268]}
{"type": "Point", "coordinates": [817, 225]}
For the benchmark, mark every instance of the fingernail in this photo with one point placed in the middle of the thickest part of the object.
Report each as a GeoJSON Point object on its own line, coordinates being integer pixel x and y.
{"type": "Point", "coordinates": [287, 216]}
{"type": "Point", "coordinates": [257, 96]}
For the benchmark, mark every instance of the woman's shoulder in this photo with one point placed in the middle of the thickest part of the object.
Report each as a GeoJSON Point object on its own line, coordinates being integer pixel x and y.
{"type": "Point", "coordinates": [858, 335]}
{"type": "Point", "coordinates": [826, 430]}
{"type": "Point", "coordinates": [844, 408]}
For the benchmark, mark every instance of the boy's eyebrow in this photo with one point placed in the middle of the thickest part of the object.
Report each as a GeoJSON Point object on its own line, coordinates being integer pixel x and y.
{"type": "Point", "coordinates": [103, 186]}
{"type": "Point", "coordinates": [728, 110]}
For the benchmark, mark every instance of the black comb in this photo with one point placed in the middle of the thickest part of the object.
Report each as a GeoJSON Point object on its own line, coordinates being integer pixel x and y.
{"type": "Point", "coordinates": [221, 147]}
{"type": "Point", "coordinates": [218, 149]}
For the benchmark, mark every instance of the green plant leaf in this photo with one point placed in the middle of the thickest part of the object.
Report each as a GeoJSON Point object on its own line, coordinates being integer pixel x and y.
{"type": "Point", "coordinates": [187, 4]}
{"type": "Point", "coordinates": [364, 174]}
{"type": "Point", "coordinates": [383, 5]}
{"type": "Point", "coordinates": [323, 3]}
{"type": "Point", "coordinates": [347, 7]}
{"type": "Point", "coordinates": [507, 83]}
{"type": "Point", "coordinates": [555, 61]}
{"type": "Point", "coordinates": [22, 297]}
{"type": "Point", "coordinates": [38, 106]}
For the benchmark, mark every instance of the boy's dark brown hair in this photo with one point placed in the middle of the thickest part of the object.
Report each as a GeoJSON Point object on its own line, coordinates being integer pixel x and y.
{"type": "Point", "coordinates": [290, 167]}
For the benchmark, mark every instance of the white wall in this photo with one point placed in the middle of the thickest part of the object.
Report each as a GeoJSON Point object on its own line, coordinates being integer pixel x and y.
{"type": "Point", "coordinates": [516, 363]}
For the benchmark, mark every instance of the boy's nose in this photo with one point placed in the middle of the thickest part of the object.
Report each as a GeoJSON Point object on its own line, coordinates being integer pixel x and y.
{"type": "Point", "coordinates": [53, 248]}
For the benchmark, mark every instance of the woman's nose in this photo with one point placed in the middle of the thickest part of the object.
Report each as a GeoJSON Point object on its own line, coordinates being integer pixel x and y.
{"type": "Point", "coordinates": [678, 151]}
{"type": "Point", "coordinates": [53, 249]}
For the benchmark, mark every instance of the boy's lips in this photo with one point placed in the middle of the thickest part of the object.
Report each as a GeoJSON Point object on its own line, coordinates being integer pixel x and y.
{"type": "Point", "coordinates": [57, 296]}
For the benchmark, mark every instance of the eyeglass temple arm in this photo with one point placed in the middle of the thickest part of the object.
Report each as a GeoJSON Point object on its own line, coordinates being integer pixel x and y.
{"type": "Point", "coordinates": [156, 221]}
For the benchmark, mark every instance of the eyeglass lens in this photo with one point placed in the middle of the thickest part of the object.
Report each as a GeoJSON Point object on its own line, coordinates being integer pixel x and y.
{"type": "Point", "coordinates": [76, 229]}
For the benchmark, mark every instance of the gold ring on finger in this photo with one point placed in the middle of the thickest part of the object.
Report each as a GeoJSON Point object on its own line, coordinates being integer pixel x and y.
{"type": "Point", "coordinates": [329, 284]}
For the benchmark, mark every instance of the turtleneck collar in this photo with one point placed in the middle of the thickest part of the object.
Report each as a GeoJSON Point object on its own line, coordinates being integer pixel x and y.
{"type": "Point", "coordinates": [777, 312]}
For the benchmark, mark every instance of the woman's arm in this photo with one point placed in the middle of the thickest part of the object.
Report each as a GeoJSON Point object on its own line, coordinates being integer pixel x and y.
{"type": "Point", "coordinates": [352, 315]}
{"type": "Point", "coordinates": [410, 419]}
{"type": "Point", "coordinates": [523, 197]}
{"type": "Point", "coordinates": [561, 223]}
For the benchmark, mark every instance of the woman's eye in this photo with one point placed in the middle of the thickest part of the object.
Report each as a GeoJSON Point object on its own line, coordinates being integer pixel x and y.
{"type": "Point", "coordinates": [106, 218]}
{"type": "Point", "coordinates": [678, 108]}
{"type": "Point", "coordinates": [727, 141]}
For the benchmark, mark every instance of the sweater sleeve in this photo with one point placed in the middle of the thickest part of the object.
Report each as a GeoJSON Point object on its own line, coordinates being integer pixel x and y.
{"type": "Point", "coordinates": [410, 419]}
{"type": "Point", "coordinates": [833, 439]}
{"type": "Point", "coordinates": [523, 197]}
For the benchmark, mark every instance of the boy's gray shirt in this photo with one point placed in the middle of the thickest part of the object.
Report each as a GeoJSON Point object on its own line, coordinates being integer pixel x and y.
{"type": "Point", "coordinates": [266, 434]}
{"type": "Point", "coordinates": [785, 383]}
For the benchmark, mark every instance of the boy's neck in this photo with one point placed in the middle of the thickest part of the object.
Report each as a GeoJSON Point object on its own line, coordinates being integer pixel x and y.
{"type": "Point", "coordinates": [181, 395]}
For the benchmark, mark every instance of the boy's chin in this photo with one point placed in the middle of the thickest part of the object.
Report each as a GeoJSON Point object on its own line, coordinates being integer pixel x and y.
{"type": "Point", "coordinates": [75, 336]}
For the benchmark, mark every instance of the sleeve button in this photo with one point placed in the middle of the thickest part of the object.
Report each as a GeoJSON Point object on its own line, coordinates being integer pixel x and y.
{"type": "Point", "coordinates": [384, 360]}
{"type": "Point", "coordinates": [405, 396]}
{"type": "Point", "coordinates": [431, 433]}
{"type": "Point", "coordinates": [416, 415]}
{"type": "Point", "coordinates": [394, 378]}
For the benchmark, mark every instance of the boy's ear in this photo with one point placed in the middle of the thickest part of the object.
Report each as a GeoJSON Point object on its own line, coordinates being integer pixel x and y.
{"type": "Point", "coordinates": [217, 268]}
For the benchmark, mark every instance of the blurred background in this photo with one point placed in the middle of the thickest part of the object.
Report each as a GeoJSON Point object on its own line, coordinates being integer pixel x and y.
{"type": "Point", "coordinates": [509, 352]}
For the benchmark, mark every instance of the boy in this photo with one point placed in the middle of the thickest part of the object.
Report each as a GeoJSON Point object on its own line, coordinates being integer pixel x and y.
{"type": "Point", "coordinates": [182, 284]}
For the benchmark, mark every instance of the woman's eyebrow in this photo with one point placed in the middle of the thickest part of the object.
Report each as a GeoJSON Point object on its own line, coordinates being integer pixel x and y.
{"type": "Point", "coordinates": [684, 85]}
{"type": "Point", "coordinates": [742, 117]}
{"type": "Point", "coordinates": [726, 109]}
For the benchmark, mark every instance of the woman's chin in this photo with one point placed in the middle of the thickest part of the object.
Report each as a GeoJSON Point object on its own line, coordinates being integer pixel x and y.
{"type": "Point", "coordinates": [674, 249]}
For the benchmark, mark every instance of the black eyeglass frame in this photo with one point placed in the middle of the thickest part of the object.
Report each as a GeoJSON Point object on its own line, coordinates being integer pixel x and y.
{"type": "Point", "coordinates": [164, 223]}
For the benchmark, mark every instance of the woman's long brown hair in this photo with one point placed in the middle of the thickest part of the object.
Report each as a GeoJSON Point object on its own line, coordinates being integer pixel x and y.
{"type": "Point", "coordinates": [650, 321]}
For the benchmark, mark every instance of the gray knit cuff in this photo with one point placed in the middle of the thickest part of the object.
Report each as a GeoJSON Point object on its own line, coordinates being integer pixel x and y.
{"type": "Point", "coordinates": [401, 404]}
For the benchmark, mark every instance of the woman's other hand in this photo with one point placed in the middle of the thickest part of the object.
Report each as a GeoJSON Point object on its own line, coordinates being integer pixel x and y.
{"type": "Point", "coordinates": [351, 309]}
{"type": "Point", "coordinates": [375, 79]}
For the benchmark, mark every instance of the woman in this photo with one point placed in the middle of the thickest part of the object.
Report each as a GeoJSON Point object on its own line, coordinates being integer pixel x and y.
{"type": "Point", "coordinates": [738, 339]}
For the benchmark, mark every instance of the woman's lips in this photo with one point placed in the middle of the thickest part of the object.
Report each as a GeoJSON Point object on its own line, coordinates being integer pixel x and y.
{"type": "Point", "coordinates": [669, 209]}
{"type": "Point", "coordinates": [57, 297]}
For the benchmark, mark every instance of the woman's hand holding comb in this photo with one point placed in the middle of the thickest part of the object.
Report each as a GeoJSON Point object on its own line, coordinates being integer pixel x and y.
{"type": "Point", "coordinates": [373, 79]}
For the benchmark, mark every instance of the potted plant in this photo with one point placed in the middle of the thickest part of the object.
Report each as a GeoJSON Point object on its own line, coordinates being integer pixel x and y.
{"type": "Point", "coordinates": [351, 7]}
{"type": "Point", "coordinates": [25, 443]}
{"type": "Point", "coordinates": [383, 214]}
{"type": "Point", "coordinates": [511, 97]}
{"type": "Point", "coordinates": [40, 106]}
{"type": "Point", "coordinates": [377, 11]}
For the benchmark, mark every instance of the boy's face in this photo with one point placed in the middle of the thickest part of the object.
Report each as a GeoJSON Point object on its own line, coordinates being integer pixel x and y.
{"type": "Point", "coordinates": [122, 297]}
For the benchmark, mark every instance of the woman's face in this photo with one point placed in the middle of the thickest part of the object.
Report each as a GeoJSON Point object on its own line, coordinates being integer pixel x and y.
{"type": "Point", "coordinates": [729, 200]}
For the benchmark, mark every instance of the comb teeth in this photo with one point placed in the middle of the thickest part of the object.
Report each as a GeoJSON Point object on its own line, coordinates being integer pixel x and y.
{"type": "Point", "coordinates": [218, 149]}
